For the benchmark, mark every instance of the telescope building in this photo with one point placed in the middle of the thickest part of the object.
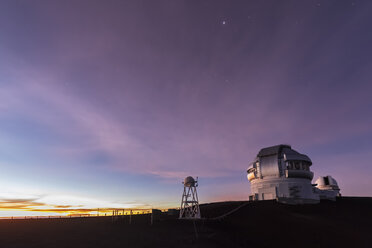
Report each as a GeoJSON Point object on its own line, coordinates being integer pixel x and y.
{"type": "Point", "coordinates": [281, 173]}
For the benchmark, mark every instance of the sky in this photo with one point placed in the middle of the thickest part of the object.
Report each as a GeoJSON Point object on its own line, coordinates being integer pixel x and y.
{"type": "Point", "coordinates": [110, 104]}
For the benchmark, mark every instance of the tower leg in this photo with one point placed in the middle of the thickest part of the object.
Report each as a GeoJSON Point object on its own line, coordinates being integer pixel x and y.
{"type": "Point", "coordinates": [190, 204]}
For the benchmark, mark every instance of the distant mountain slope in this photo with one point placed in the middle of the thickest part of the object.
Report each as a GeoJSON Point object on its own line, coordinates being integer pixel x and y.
{"type": "Point", "coordinates": [345, 222]}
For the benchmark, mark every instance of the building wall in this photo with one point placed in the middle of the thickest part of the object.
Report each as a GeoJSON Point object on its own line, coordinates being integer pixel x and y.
{"type": "Point", "coordinates": [273, 188]}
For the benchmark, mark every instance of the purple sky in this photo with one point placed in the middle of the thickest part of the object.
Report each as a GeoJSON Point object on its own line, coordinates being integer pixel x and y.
{"type": "Point", "coordinates": [117, 101]}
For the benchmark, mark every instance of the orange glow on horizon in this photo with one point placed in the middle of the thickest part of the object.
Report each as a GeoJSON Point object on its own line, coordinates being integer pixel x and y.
{"type": "Point", "coordinates": [59, 206]}
{"type": "Point", "coordinates": [42, 210]}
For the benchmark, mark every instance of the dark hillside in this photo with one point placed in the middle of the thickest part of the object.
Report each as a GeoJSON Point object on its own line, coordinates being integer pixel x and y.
{"type": "Point", "coordinates": [344, 223]}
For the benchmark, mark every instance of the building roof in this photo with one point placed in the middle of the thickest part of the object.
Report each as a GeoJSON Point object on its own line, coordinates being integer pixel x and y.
{"type": "Point", "coordinates": [286, 150]}
{"type": "Point", "coordinates": [272, 150]}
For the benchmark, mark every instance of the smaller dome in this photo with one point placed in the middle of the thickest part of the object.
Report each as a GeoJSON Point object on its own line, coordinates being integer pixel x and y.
{"type": "Point", "coordinates": [189, 181]}
{"type": "Point", "coordinates": [326, 182]}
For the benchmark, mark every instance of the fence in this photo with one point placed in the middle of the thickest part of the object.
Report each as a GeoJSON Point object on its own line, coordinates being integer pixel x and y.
{"type": "Point", "coordinates": [98, 213]}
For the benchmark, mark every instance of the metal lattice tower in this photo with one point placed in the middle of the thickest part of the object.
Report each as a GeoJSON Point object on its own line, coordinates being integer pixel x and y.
{"type": "Point", "coordinates": [190, 202]}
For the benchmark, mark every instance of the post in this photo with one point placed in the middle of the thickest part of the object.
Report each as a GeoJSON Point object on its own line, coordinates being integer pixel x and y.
{"type": "Point", "coordinates": [152, 217]}
{"type": "Point", "coordinates": [196, 231]}
{"type": "Point", "coordinates": [130, 217]}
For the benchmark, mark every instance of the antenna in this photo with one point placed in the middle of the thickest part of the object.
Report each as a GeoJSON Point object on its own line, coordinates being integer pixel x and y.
{"type": "Point", "coordinates": [190, 202]}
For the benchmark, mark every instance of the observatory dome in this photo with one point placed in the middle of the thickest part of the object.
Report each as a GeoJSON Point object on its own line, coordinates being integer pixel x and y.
{"type": "Point", "coordinates": [280, 161]}
{"type": "Point", "coordinates": [327, 188]}
{"type": "Point", "coordinates": [189, 181]}
{"type": "Point", "coordinates": [327, 182]}
{"type": "Point", "coordinates": [280, 172]}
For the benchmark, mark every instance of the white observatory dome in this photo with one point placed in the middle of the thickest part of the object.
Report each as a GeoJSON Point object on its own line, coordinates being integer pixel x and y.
{"type": "Point", "coordinates": [189, 181]}
{"type": "Point", "coordinates": [327, 183]}
{"type": "Point", "coordinates": [279, 172]}
{"type": "Point", "coordinates": [327, 188]}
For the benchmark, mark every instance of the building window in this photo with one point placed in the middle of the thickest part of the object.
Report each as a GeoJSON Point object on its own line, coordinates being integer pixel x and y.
{"type": "Point", "coordinates": [297, 165]}
{"type": "Point", "coordinates": [305, 166]}
{"type": "Point", "coordinates": [290, 165]}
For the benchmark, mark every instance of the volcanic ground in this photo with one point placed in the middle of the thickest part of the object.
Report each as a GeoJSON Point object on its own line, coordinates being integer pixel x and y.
{"type": "Point", "coordinates": [343, 223]}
